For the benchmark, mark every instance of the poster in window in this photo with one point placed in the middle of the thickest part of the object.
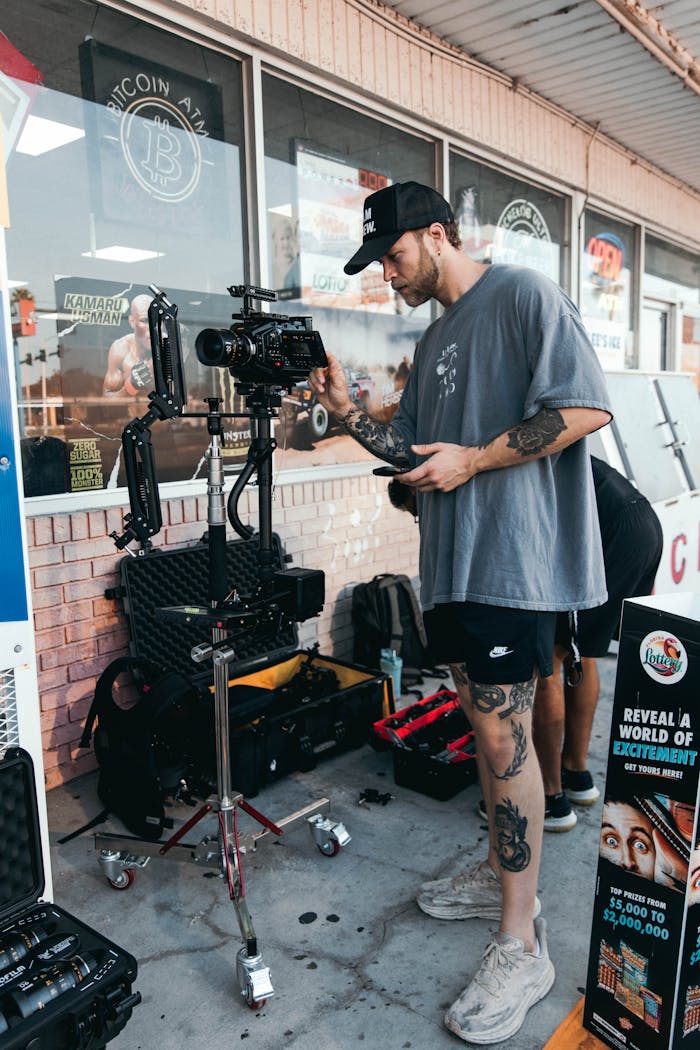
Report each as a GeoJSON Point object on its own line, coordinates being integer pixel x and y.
{"type": "Point", "coordinates": [152, 136]}
{"type": "Point", "coordinates": [331, 192]}
{"type": "Point", "coordinates": [606, 283]}
{"type": "Point", "coordinates": [502, 219]}
{"type": "Point", "coordinates": [107, 374]}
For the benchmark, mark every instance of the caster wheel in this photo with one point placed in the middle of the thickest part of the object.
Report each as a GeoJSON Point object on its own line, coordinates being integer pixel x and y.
{"type": "Point", "coordinates": [256, 1004]}
{"type": "Point", "coordinates": [124, 880]}
{"type": "Point", "coordinates": [331, 848]}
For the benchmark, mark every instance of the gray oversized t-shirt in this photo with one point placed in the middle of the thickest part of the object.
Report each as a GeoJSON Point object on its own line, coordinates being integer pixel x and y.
{"type": "Point", "coordinates": [525, 536]}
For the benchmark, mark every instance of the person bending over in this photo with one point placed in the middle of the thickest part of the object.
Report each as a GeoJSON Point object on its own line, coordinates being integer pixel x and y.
{"type": "Point", "coordinates": [565, 702]}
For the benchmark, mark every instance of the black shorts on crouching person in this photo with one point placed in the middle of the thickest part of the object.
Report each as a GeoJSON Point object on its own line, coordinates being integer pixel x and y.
{"type": "Point", "coordinates": [632, 546]}
{"type": "Point", "coordinates": [497, 646]}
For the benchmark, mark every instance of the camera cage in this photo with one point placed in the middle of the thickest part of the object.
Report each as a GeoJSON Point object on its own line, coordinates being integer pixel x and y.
{"type": "Point", "coordinates": [262, 347]}
{"type": "Point", "coordinates": [290, 593]}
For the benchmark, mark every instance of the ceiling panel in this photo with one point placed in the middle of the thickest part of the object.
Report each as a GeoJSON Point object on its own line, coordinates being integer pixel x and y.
{"type": "Point", "coordinates": [579, 57]}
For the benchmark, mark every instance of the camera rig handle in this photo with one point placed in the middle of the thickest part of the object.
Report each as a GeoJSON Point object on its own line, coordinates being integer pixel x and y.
{"type": "Point", "coordinates": [145, 518]}
{"type": "Point", "coordinates": [165, 402]}
{"type": "Point", "coordinates": [170, 396]}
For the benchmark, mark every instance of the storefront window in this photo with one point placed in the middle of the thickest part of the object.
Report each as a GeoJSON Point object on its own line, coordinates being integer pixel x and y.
{"type": "Point", "coordinates": [505, 220]}
{"type": "Point", "coordinates": [321, 161]}
{"type": "Point", "coordinates": [672, 284]}
{"type": "Point", "coordinates": [607, 265]}
{"type": "Point", "coordinates": [124, 170]}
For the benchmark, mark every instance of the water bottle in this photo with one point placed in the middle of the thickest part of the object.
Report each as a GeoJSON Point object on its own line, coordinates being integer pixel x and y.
{"type": "Point", "coordinates": [391, 664]}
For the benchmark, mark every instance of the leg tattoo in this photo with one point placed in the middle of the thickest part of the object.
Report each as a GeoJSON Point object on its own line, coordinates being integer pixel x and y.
{"type": "Point", "coordinates": [514, 854]}
{"type": "Point", "coordinates": [459, 673]}
{"type": "Point", "coordinates": [520, 742]}
{"type": "Point", "coordinates": [486, 698]}
{"type": "Point", "coordinates": [522, 697]}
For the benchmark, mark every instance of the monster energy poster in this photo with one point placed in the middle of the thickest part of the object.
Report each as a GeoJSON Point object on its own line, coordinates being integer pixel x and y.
{"type": "Point", "coordinates": [152, 135]}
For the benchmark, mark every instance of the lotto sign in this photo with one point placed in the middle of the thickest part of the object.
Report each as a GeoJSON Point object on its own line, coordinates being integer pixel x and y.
{"type": "Point", "coordinates": [643, 983]}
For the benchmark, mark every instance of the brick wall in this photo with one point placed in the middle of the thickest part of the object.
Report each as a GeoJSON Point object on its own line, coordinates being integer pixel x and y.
{"type": "Point", "coordinates": [346, 527]}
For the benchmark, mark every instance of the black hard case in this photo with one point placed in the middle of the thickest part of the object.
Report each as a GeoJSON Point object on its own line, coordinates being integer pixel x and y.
{"type": "Point", "coordinates": [277, 742]}
{"type": "Point", "coordinates": [95, 1009]}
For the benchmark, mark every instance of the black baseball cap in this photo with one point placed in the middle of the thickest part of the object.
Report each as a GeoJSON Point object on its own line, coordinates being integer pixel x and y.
{"type": "Point", "coordinates": [391, 212]}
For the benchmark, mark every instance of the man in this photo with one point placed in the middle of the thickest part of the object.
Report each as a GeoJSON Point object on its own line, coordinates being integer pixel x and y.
{"type": "Point", "coordinates": [128, 362]}
{"type": "Point", "coordinates": [502, 388]}
{"type": "Point", "coordinates": [632, 541]}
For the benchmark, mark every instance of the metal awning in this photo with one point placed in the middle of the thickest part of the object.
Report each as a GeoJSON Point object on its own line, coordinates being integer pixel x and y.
{"type": "Point", "coordinates": [631, 71]}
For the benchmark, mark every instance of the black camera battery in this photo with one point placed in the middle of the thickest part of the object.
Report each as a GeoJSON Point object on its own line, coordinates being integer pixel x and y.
{"type": "Point", "coordinates": [288, 708]}
{"type": "Point", "coordinates": [63, 986]}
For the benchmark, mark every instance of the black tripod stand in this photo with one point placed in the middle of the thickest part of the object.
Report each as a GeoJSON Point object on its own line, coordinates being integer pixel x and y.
{"type": "Point", "coordinates": [281, 597]}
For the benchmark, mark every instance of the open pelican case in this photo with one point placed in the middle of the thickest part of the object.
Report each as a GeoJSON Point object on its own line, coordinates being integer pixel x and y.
{"type": "Point", "coordinates": [63, 986]}
{"type": "Point", "coordinates": [287, 707]}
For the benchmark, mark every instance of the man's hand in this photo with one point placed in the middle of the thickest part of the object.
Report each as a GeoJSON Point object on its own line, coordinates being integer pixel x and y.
{"type": "Point", "coordinates": [447, 467]}
{"type": "Point", "coordinates": [330, 387]}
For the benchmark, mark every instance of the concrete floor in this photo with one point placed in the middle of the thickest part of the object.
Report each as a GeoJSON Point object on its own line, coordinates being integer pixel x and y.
{"type": "Point", "coordinates": [352, 958]}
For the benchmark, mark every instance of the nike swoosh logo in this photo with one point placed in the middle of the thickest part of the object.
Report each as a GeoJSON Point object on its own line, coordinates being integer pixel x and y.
{"type": "Point", "coordinates": [500, 650]}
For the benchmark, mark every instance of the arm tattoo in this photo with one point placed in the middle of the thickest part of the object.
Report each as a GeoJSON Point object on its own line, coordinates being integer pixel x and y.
{"type": "Point", "coordinates": [513, 852]}
{"type": "Point", "coordinates": [520, 742]}
{"type": "Point", "coordinates": [379, 438]}
{"type": "Point", "coordinates": [533, 436]}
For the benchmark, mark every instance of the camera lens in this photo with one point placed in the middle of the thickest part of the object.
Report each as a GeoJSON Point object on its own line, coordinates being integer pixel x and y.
{"type": "Point", "coordinates": [17, 946]}
{"type": "Point", "coordinates": [36, 993]}
{"type": "Point", "coordinates": [213, 346]}
{"type": "Point", "coordinates": [216, 346]}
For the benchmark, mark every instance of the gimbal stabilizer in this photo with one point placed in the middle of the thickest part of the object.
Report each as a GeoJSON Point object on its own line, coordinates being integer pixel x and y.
{"type": "Point", "coordinates": [258, 345]}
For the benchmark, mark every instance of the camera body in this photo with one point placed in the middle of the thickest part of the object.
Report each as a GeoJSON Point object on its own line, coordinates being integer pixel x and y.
{"type": "Point", "coordinates": [265, 348]}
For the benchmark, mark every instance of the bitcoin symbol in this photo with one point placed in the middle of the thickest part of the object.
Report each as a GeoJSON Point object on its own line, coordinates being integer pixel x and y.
{"type": "Point", "coordinates": [161, 149]}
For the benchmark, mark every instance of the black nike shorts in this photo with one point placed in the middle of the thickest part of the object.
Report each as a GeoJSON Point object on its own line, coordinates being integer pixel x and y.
{"type": "Point", "coordinates": [497, 646]}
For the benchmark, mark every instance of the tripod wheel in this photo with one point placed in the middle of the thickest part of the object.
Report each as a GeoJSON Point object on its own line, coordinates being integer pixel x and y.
{"type": "Point", "coordinates": [331, 848]}
{"type": "Point", "coordinates": [123, 881]}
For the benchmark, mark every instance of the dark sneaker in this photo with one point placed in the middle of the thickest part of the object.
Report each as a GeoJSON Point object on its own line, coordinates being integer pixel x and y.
{"type": "Point", "coordinates": [558, 814]}
{"type": "Point", "coordinates": [475, 894]}
{"type": "Point", "coordinates": [579, 787]}
{"type": "Point", "coordinates": [508, 982]}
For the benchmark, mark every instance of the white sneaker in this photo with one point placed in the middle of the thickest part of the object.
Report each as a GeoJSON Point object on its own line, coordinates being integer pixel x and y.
{"type": "Point", "coordinates": [508, 982]}
{"type": "Point", "coordinates": [475, 894]}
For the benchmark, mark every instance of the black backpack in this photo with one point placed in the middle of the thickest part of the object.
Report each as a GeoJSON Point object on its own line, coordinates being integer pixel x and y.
{"type": "Point", "coordinates": [386, 615]}
{"type": "Point", "coordinates": [145, 751]}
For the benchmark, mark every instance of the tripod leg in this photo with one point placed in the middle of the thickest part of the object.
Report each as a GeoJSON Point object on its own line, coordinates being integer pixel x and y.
{"type": "Point", "coordinates": [253, 975]}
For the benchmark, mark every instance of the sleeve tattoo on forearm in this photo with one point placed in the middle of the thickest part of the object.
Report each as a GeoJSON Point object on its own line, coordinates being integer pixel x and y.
{"type": "Point", "coordinates": [533, 436]}
{"type": "Point", "coordinates": [379, 438]}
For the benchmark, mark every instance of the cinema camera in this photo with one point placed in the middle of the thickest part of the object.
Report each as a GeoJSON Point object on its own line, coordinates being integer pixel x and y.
{"type": "Point", "coordinates": [261, 347]}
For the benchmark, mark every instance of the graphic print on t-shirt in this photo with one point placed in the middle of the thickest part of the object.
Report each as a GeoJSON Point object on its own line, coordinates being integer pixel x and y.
{"type": "Point", "coordinates": [447, 369]}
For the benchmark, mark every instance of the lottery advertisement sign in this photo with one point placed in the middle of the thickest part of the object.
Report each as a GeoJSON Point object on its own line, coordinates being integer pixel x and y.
{"type": "Point", "coordinates": [643, 981]}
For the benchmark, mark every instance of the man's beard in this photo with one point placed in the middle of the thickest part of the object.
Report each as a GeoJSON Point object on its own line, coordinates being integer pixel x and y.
{"type": "Point", "coordinates": [423, 286]}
